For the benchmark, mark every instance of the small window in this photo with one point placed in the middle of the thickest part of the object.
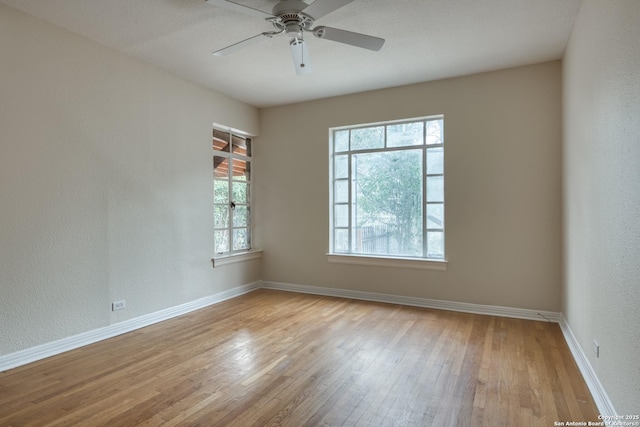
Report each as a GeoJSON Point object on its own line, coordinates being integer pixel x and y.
{"type": "Point", "coordinates": [387, 189]}
{"type": "Point", "coordinates": [231, 192]}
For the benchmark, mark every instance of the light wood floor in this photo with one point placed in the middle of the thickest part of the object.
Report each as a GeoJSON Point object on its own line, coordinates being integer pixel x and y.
{"type": "Point", "coordinates": [273, 358]}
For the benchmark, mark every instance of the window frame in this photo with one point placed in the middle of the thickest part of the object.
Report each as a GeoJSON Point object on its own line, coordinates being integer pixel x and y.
{"type": "Point", "coordinates": [222, 258]}
{"type": "Point", "coordinates": [351, 256]}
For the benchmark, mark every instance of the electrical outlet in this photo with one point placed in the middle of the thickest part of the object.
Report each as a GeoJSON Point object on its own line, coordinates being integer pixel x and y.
{"type": "Point", "coordinates": [118, 305]}
{"type": "Point", "coordinates": [596, 348]}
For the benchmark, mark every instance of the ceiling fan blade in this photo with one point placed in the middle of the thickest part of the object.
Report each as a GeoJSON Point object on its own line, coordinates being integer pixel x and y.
{"type": "Point", "coordinates": [300, 54]}
{"type": "Point", "coordinates": [349, 37]}
{"type": "Point", "coordinates": [242, 44]}
{"type": "Point", "coordinates": [240, 8]}
{"type": "Point", "coordinates": [320, 8]}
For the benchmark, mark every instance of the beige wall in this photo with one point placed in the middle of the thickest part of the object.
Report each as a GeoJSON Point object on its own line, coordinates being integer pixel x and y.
{"type": "Point", "coordinates": [502, 165]}
{"type": "Point", "coordinates": [601, 293]}
{"type": "Point", "coordinates": [105, 185]}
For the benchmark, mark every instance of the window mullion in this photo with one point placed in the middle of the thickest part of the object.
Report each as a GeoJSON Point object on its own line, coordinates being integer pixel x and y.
{"type": "Point", "coordinates": [230, 181]}
{"type": "Point", "coordinates": [425, 243]}
{"type": "Point", "coordinates": [350, 197]}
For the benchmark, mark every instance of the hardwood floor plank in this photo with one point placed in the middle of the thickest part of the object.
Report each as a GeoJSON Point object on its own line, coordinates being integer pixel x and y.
{"type": "Point", "coordinates": [273, 358]}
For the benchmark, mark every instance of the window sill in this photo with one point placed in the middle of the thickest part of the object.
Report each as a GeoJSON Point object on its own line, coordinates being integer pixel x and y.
{"type": "Point", "coordinates": [220, 260]}
{"type": "Point", "coordinates": [381, 261]}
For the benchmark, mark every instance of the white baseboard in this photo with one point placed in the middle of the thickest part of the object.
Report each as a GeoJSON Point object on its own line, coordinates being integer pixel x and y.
{"type": "Point", "coordinates": [519, 313]}
{"type": "Point", "coordinates": [53, 348]}
{"type": "Point", "coordinates": [604, 404]}
{"type": "Point", "coordinates": [43, 351]}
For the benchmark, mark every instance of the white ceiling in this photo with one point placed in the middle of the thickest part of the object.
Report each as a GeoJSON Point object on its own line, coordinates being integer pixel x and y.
{"type": "Point", "coordinates": [425, 40]}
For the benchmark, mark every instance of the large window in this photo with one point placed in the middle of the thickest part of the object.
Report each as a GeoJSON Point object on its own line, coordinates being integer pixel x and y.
{"type": "Point", "coordinates": [231, 192]}
{"type": "Point", "coordinates": [387, 189]}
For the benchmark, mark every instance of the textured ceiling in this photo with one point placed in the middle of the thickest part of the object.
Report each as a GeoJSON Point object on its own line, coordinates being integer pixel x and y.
{"type": "Point", "coordinates": [425, 40]}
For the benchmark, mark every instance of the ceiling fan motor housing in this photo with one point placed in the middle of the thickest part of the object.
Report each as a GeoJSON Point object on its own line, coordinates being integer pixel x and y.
{"type": "Point", "coordinates": [288, 6]}
{"type": "Point", "coordinates": [290, 17]}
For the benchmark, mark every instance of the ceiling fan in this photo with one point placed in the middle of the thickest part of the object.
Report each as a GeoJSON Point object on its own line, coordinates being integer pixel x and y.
{"type": "Point", "coordinates": [294, 18]}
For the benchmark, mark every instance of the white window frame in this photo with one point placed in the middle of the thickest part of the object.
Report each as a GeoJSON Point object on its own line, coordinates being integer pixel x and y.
{"type": "Point", "coordinates": [352, 257]}
{"type": "Point", "coordinates": [235, 255]}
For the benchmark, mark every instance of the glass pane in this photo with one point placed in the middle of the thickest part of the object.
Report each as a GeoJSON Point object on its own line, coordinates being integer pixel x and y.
{"type": "Point", "coordinates": [341, 215]}
{"type": "Point", "coordinates": [434, 131]}
{"type": "Point", "coordinates": [341, 140]}
{"type": "Point", "coordinates": [221, 140]}
{"type": "Point", "coordinates": [404, 134]}
{"type": "Point", "coordinates": [221, 238]}
{"type": "Point", "coordinates": [341, 191]}
{"type": "Point", "coordinates": [341, 242]}
{"type": "Point", "coordinates": [341, 167]}
{"type": "Point", "coordinates": [240, 192]}
{"type": "Point", "coordinates": [241, 145]}
{"type": "Point", "coordinates": [388, 202]}
{"type": "Point", "coordinates": [435, 215]}
{"type": "Point", "coordinates": [241, 169]}
{"type": "Point", "coordinates": [435, 160]}
{"type": "Point", "coordinates": [435, 244]}
{"type": "Point", "coordinates": [220, 167]}
{"type": "Point", "coordinates": [367, 138]}
{"type": "Point", "coordinates": [221, 216]}
{"type": "Point", "coordinates": [241, 216]}
{"type": "Point", "coordinates": [220, 191]}
{"type": "Point", "coordinates": [241, 239]}
{"type": "Point", "coordinates": [435, 189]}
